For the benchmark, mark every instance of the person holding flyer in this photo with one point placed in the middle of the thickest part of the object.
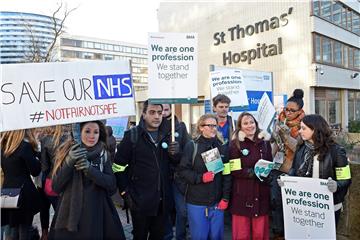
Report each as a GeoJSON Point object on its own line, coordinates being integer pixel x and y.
{"type": "Point", "coordinates": [250, 199]}
{"type": "Point", "coordinates": [320, 157]}
{"type": "Point", "coordinates": [205, 168]}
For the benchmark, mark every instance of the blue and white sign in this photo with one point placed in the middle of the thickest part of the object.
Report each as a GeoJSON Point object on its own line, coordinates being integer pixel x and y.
{"type": "Point", "coordinates": [256, 84]}
{"type": "Point", "coordinates": [44, 94]}
{"type": "Point", "coordinates": [118, 125]}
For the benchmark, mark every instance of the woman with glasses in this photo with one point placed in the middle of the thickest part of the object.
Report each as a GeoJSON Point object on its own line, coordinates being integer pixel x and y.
{"type": "Point", "coordinates": [250, 197]}
{"type": "Point", "coordinates": [208, 189]}
{"type": "Point", "coordinates": [286, 138]}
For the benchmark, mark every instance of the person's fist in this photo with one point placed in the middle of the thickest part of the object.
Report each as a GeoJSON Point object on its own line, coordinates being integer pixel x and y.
{"type": "Point", "coordinates": [174, 148]}
{"type": "Point", "coordinates": [208, 177]}
{"type": "Point", "coordinates": [332, 185]}
{"type": "Point", "coordinates": [76, 152]}
{"type": "Point", "coordinates": [223, 204]}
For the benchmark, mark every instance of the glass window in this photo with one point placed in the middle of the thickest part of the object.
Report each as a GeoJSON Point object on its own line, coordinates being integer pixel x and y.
{"type": "Point", "coordinates": [316, 9]}
{"type": "Point", "coordinates": [357, 58]}
{"type": "Point", "coordinates": [116, 48]}
{"type": "Point", "coordinates": [337, 53]}
{"type": "Point", "coordinates": [348, 20]}
{"type": "Point", "coordinates": [356, 23]}
{"type": "Point", "coordinates": [351, 57]}
{"type": "Point", "coordinates": [317, 48]}
{"type": "Point", "coordinates": [334, 111]}
{"type": "Point", "coordinates": [337, 13]}
{"type": "Point", "coordinates": [97, 45]}
{"type": "Point", "coordinates": [326, 50]}
{"type": "Point", "coordinates": [345, 57]}
{"type": "Point", "coordinates": [326, 10]}
{"type": "Point", "coordinates": [328, 104]}
{"type": "Point", "coordinates": [343, 17]}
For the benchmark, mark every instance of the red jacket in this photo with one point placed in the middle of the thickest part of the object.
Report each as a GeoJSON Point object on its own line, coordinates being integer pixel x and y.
{"type": "Point", "coordinates": [250, 197]}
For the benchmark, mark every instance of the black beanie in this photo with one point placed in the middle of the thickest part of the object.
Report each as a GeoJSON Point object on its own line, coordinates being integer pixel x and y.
{"type": "Point", "coordinates": [297, 98]}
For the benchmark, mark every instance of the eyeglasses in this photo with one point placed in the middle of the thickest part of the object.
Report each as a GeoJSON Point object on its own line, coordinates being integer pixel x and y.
{"type": "Point", "coordinates": [290, 110]}
{"type": "Point", "coordinates": [209, 125]}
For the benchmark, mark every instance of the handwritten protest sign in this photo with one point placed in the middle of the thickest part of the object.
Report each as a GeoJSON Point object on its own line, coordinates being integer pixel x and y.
{"type": "Point", "coordinates": [44, 94]}
{"type": "Point", "coordinates": [172, 61]}
{"type": "Point", "coordinates": [231, 83]}
{"type": "Point", "coordinates": [308, 208]}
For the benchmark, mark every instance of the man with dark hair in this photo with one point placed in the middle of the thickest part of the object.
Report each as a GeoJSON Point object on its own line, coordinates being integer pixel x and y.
{"type": "Point", "coordinates": [221, 105]}
{"type": "Point", "coordinates": [145, 153]}
{"type": "Point", "coordinates": [177, 184]}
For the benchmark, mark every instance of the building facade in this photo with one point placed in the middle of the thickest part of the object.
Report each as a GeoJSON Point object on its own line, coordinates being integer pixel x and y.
{"type": "Point", "coordinates": [24, 36]}
{"type": "Point", "coordinates": [75, 48]}
{"type": "Point", "coordinates": [312, 45]}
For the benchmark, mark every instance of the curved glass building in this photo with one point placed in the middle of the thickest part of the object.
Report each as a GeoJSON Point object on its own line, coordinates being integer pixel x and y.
{"type": "Point", "coordinates": [23, 36]}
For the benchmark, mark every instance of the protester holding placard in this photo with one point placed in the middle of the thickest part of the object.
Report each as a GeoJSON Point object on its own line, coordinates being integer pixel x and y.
{"type": "Point", "coordinates": [18, 162]}
{"type": "Point", "coordinates": [320, 157]}
{"type": "Point", "coordinates": [250, 199]}
{"type": "Point", "coordinates": [83, 177]}
{"type": "Point", "coordinates": [208, 185]}
{"type": "Point", "coordinates": [178, 185]}
{"type": "Point", "coordinates": [286, 138]}
{"type": "Point", "coordinates": [221, 104]}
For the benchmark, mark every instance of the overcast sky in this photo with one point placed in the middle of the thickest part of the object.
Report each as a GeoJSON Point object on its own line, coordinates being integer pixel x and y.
{"type": "Point", "coordinates": [120, 20]}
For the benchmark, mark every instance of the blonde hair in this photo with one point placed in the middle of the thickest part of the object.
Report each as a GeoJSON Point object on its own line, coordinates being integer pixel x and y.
{"type": "Point", "coordinates": [56, 132]}
{"type": "Point", "coordinates": [201, 122]}
{"type": "Point", "coordinates": [61, 153]}
{"type": "Point", "coordinates": [10, 140]}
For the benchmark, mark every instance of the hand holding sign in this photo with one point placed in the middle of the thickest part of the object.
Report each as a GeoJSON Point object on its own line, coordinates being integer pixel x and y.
{"type": "Point", "coordinates": [263, 168]}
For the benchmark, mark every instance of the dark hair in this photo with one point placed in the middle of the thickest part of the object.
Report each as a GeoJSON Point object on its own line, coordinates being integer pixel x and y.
{"type": "Point", "coordinates": [297, 98]}
{"type": "Point", "coordinates": [146, 105]}
{"type": "Point", "coordinates": [103, 135]}
{"type": "Point", "coordinates": [220, 98]}
{"type": "Point", "coordinates": [322, 136]}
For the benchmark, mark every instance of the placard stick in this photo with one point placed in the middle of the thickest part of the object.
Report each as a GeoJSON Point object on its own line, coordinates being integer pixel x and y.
{"type": "Point", "coordinates": [172, 122]}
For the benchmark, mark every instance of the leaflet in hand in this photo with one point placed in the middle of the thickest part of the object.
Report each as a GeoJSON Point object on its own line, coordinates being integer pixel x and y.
{"type": "Point", "coordinates": [213, 161]}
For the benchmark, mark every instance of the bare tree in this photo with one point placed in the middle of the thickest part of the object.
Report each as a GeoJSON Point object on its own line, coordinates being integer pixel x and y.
{"type": "Point", "coordinates": [40, 51]}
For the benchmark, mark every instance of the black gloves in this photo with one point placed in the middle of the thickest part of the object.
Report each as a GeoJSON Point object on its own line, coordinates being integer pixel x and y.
{"type": "Point", "coordinates": [76, 152]}
{"type": "Point", "coordinates": [174, 148]}
{"type": "Point", "coordinates": [82, 164]}
{"type": "Point", "coordinates": [128, 201]}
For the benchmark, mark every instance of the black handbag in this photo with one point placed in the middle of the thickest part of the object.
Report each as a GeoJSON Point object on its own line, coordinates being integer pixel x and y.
{"type": "Point", "coordinates": [10, 197]}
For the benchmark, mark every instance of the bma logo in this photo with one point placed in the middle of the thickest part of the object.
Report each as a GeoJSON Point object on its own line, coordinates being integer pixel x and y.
{"type": "Point", "coordinates": [112, 86]}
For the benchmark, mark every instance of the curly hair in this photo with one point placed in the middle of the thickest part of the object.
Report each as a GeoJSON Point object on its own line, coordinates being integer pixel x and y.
{"type": "Point", "coordinates": [322, 136]}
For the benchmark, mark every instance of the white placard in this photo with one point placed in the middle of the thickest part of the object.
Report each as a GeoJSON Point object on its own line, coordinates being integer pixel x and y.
{"type": "Point", "coordinates": [231, 83]}
{"type": "Point", "coordinates": [44, 94]}
{"type": "Point", "coordinates": [266, 112]}
{"type": "Point", "coordinates": [173, 67]}
{"type": "Point", "coordinates": [308, 208]}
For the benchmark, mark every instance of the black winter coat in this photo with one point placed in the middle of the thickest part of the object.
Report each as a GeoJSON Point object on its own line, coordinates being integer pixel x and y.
{"type": "Point", "coordinates": [99, 218]}
{"type": "Point", "coordinates": [197, 192]}
{"type": "Point", "coordinates": [335, 158]}
{"type": "Point", "coordinates": [147, 177]}
{"type": "Point", "coordinates": [17, 169]}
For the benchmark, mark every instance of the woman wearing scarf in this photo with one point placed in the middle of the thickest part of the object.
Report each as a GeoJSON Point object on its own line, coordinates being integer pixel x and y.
{"type": "Point", "coordinates": [320, 157]}
{"type": "Point", "coordinates": [83, 177]}
{"type": "Point", "coordinates": [250, 197]}
{"type": "Point", "coordinates": [286, 138]}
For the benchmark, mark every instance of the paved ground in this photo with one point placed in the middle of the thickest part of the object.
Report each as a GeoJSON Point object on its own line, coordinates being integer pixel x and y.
{"type": "Point", "coordinates": [127, 227]}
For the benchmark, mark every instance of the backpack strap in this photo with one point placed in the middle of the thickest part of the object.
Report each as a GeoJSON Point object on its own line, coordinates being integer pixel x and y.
{"type": "Point", "coordinates": [195, 144]}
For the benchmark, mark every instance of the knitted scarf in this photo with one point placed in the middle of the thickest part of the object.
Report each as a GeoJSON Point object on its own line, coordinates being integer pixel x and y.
{"type": "Point", "coordinates": [70, 208]}
{"type": "Point", "coordinates": [306, 168]}
{"type": "Point", "coordinates": [294, 124]}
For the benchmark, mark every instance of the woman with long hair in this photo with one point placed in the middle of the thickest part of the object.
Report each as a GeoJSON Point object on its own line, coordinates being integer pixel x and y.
{"type": "Point", "coordinates": [51, 139]}
{"type": "Point", "coordinates": [286, 138]}
{"type": "Point", "coordinates": [83, 177]}
{"type": "Point", "coordinates": [19, 163]}
{"type": "Point", "coordinates": [320, 157]}
{"type": "Point", "coordinates": [207, 193]}
{"type": "Point", "coordinates": [250, 197]}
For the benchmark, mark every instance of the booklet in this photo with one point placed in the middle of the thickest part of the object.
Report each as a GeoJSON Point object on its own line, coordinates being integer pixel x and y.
{"type": "Point", "coordinates": [213, 161]}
